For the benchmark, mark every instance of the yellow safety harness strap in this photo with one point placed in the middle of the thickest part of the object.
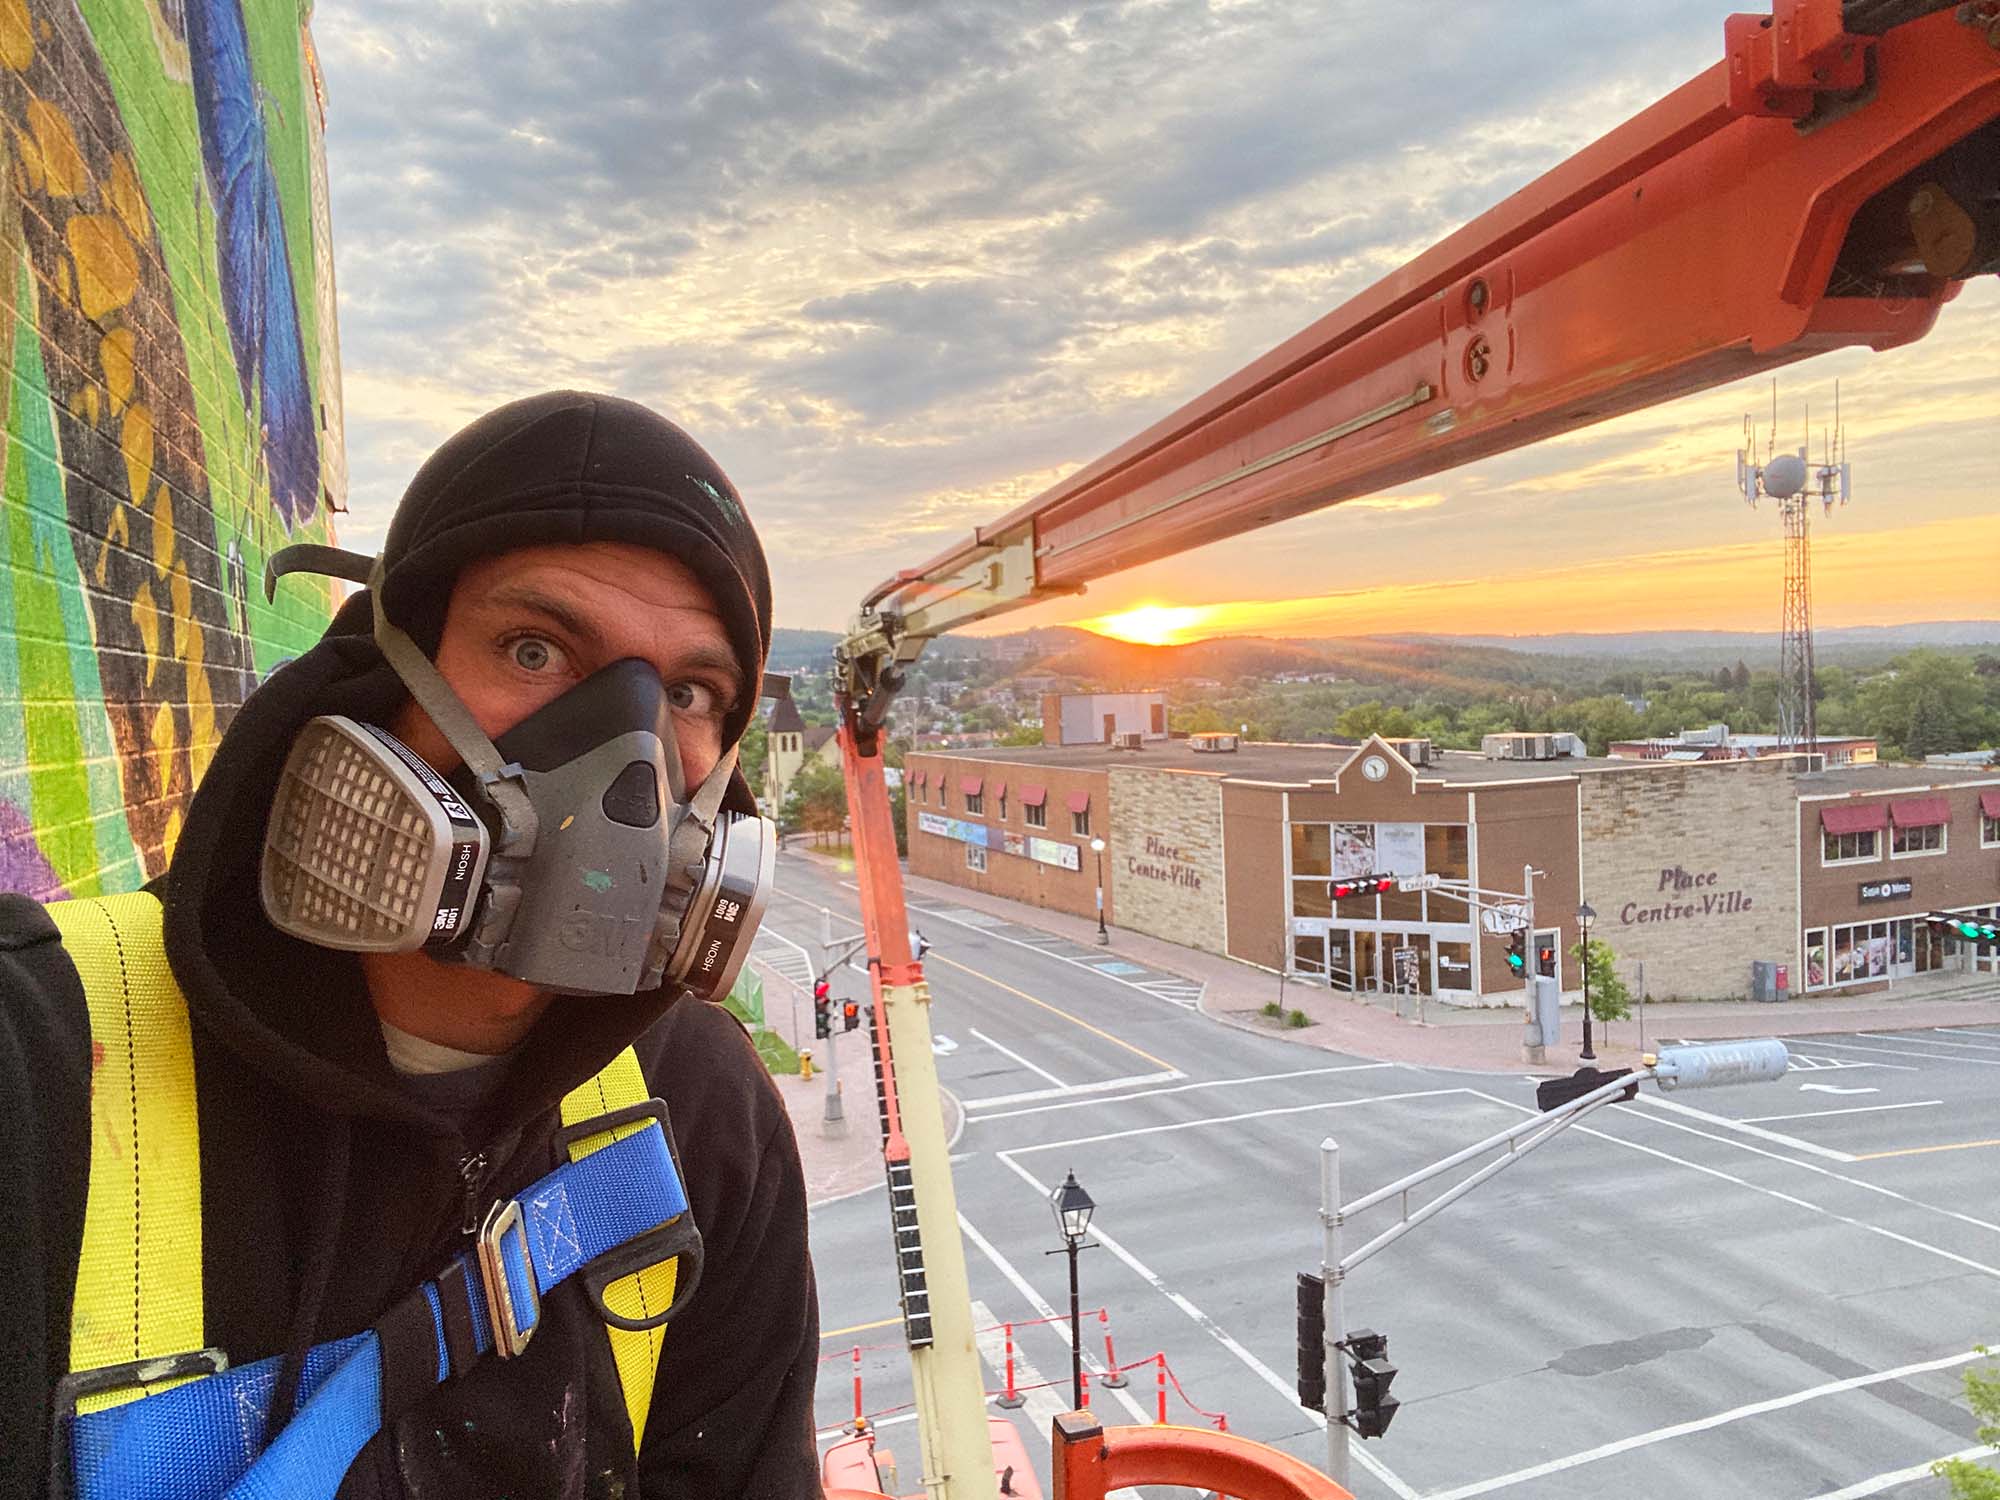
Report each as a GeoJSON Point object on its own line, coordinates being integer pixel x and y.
{"type": "Point", "coordinates": [637, 1351]}
{"type": "Point", "coordinates": [138, 1281]}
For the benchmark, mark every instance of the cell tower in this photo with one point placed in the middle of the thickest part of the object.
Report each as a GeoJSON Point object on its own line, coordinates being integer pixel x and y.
{"type": "Point", "coordinates": [1790, 480]}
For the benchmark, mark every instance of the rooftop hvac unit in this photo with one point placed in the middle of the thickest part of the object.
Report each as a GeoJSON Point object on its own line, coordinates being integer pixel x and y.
{"type": "Point", "coordinates": [1416, 752]}
{"type": "Point", "coordinates": [1214, 743]}
{"type": "Point", "coordinates": [1518, 746]}
{"type": "Point", "coordinates": [1127, 741]}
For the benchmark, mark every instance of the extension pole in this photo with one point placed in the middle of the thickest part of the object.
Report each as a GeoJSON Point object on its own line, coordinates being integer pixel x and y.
{"type": "Point", "coordinates": [1337, 1434]}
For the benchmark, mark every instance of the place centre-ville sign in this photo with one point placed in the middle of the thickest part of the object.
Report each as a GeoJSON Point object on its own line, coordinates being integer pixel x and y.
{"type": "Point", "coordinates": [1689, 894]}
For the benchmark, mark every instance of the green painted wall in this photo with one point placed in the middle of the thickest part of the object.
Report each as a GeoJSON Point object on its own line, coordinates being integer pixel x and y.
{"type": "Point", "coordinates": [169, 386]}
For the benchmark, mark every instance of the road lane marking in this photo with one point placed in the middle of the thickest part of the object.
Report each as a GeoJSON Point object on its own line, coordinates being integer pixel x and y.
{"type": "Point", "coordinates": [1182, 1088]}
{"type": "Point", "coordinates": [1285, 1388]}
{"type": "Point", "coordinates": [1776, 1138]}
{"type": "Point", "coordinates": [1980, 1062]}
{"type": "Point", "coordinates": [1991, 1036]}
{"type": "Point", "coordinates": [1926, 1150]}
{"type": "Point", "coordinates": [1805, 1062]}
{"type": "Point", "coordinates": [1041, 1406]}
{"type": "Point", "coordinates": [1005, 1051]}
{"type": "Point", "coordinates": [1820, 1114]}
{"type": "Point", "coordinates": [1881, 1482]}
{"type": "Point", "coordinates": [1160, 1063]}
{"type": "Point", "coordinates": [834, 1333]}
{"type": "Point", "coordinates": [1928, 1041]}
{"type": "Point", "coordinates": [1101, 1086]}
{"type": "Point", "coordinates": [1830, 1088]}
{"type": "Point", "coordinates": [1059, 1326]}
{"type": "Point", "coordinates": [1705, 1424]}
{"type": "Point", "coordinates": [1255, 1114]}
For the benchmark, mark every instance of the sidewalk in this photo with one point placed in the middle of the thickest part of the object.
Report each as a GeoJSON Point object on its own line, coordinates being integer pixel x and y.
{"type": "Point", "coordinates": [1480, 1040]}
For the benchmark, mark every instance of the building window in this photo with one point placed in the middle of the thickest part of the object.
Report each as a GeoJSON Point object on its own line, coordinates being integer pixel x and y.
{"type": "Point", "coordinates": [1079, 823]}
{"type": "Point", "coordinates": [1848, 848]}
{"type": "Point", "coordinates": [975, 804]}
{"type": "Point", "coordinates": [944, 795]}
{"type": "Point", "coordinates": [1002, 807]}
{"type": "Point", "coordinates": [1815, 958]}
{"type": "Point", "coordinates": [1035, 814]}
{"type": "Point", "coordinates": [1928, 839]}
{"type": "Point", "coordinates": [1989, 832]}
{"type": "Point", "coordinates": [975, 857]}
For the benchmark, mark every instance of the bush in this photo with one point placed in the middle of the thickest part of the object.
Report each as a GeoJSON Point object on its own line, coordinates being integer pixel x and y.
{"type": "Point", "coordinates": [1273, 1009]}
{"type": "Point", "coordinates": [1297, 1019]}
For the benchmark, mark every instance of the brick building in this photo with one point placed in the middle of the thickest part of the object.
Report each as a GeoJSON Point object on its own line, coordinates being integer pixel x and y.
{"type": "Point", "coordinates": [1693, 868]}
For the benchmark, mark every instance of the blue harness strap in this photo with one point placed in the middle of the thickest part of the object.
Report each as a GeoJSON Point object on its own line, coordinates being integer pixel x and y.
{"type": "Point", "coordinates": [205, 1439]}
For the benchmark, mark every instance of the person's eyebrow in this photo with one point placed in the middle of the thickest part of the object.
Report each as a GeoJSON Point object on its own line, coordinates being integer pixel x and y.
{"type": "Point", "coordinates": [706, 656]}
{"type": "Point", "coordinates": [702, 656]}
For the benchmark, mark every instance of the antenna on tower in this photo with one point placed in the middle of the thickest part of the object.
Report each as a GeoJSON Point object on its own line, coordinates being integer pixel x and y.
{"type": "Point", "coordinates": [1793, 483]}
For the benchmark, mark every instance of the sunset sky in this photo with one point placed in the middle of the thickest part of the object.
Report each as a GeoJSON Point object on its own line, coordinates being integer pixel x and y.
{"type": "Point", "coordinates": [902, 267]}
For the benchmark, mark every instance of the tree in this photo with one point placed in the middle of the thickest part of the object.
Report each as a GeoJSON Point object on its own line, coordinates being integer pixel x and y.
{"type": "Point", "coordinates": [1022, 734]}
{"type": "Point", "coordinates": [1610, 1000]}
{"type": "Point", "coordinates": [1928, 702]}
{"type": "Point", "coordinates": [1968, 1480]}
{"type": "Point", "coordinates": [816, 802]}
{"type": "Point", "coordinates": [754, 751]}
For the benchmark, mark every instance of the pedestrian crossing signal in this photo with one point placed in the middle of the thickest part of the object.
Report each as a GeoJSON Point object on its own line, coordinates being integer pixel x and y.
{"type": "Point", "coordinates": [1369, 1368]}
{"type": "Point", "coordinates": [850, 1015]}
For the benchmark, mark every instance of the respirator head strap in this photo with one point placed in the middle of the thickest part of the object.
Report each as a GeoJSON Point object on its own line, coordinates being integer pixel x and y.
{"type": "Point", "coordinates": [499, 779]}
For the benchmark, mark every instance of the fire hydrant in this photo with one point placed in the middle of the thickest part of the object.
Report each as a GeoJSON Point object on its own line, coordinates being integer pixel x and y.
{"type": "Point", "coordinates": [805, 1066]}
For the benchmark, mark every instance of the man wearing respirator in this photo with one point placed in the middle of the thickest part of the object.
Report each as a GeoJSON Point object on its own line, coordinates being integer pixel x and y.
{"type": "Point", "coordinates": [386, 1146]}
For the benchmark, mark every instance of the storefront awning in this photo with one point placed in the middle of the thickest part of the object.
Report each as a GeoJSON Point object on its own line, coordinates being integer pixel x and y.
{"type": "Point", "coordinates": [920, 778]}
{"type": "Point", "coordinates": [1000, 791]}
{"type": "Point", "coordinates": [1854, 817]}
{"type": "Point", "coordinates": [1989, 802]}
{"type": "Point", "coordinates": [1033, 796]}
{"type": "Point", "coordinates": [970, 785]}
{"type": "Point", "coordinates": [1919, 812]}
{"type": "Point", "coordinates": [1079, 802]}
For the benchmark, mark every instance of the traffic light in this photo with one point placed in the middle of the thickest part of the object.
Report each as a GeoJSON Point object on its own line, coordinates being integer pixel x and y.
{"type": "Point", "coordinates": [822, 1008]}
{"type": "Point", "coordinates": [1966, 929]}
{"type": "Point", "coordinates": [1517, 951]}
{"type": "Point", "coordinates": [1553, 1093]}
{"type": "Point", "coordinates": [850, 1014]}
{"type": "Point", "coordinates": [1369, 1367]}
{"type": "Point", "coordinates": [1365, 885]}
{"type": "Point", "coordinates": [1312, 1342]}
{"type": "Point", "coordinates": [1545, 962]}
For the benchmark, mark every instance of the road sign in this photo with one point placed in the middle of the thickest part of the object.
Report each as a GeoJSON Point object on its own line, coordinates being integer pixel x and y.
{"type": "Point", "coordinates": [1419, 882]}
{"type": "Point", "coordinates": [1406, 968]}
{"type": "Point", "coordinates": [1503, 918]}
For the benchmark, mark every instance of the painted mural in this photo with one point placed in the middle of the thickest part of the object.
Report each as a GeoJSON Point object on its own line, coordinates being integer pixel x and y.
{"type": "Point", "coordinates": [171, 394]}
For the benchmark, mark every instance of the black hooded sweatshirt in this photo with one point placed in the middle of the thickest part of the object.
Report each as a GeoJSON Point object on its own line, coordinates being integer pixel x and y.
{"type": "Point", "coordinates": [330, 1189]}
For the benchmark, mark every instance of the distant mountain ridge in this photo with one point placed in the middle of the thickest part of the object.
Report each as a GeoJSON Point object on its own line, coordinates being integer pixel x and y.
{"type": "Point", "coordinates": [1671, 642]}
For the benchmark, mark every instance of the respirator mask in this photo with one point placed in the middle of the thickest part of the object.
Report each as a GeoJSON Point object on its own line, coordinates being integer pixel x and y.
{"type": "Point", "coordinates": [569, 853]}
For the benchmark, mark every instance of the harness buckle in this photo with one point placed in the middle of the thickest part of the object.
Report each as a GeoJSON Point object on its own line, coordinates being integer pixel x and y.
{"type": "Point", "coordinates": [79, 1384]}
{"type": "Point", "coordinates": [510, 1332]}
{"type": "Point", "coordinates": [677, 1239]}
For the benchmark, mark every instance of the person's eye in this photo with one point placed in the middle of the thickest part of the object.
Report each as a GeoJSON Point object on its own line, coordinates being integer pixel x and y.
{"type": "Point", "coordinates": [534, 653]}
{"type": "Point", "coordinates": [695, 698]}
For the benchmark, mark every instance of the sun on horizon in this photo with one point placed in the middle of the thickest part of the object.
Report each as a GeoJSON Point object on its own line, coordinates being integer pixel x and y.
{"type": "Point", "coordinates": [1152, 624]}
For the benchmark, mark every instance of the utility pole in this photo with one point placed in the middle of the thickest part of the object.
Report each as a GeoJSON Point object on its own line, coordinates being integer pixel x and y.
{"type": "Point", "coordinates": [1534, 1045]}
{"type": "Point", "coordinates": [1331, 1277]}
{"type": "Point", "coordinates": [834, 1122]}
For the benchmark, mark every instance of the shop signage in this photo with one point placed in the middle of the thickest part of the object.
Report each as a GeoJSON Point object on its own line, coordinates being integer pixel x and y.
{"type": "Point", "coordinates": [979, 835]}
{"type": "Point", "coordinates": [956, 828]}
{"type": "Point", "coordinates": [1399, 849]}
{"type": "Point", "coordinates": [1050, 852]}
{"type": "Point", "coordinates": [1013, 843]}
{"type": "Point", "coordinates": [1165, 863]}
{"type": "Point", "coordinates": [1688, 894]}
{"type": "Point", "coordinates": [1406, 968]}
{"type": "Point", "coordinates": [1885, 890]}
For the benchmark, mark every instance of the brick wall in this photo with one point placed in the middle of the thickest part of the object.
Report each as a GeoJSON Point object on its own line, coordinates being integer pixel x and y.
{"type": "Point", "coordinates": [172, 415]}
{"type": "Point", "coordinates": [1259, 924]}
{"type": "Point", "coordinates": [1014, 876]}
{"type": "Point", "coordinates": [1693, 870]}
{"type": "Point", "coordinates": [1166, 855]}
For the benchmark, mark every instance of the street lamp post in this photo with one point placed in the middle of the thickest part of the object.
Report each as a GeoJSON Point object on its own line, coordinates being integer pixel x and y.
{"type": "Point", "coordinates": [1097, 848]}
{"type": "Point", "coordinates": [1073, 1208]}
{"type": "Point", "coordinates": [1584, 917]}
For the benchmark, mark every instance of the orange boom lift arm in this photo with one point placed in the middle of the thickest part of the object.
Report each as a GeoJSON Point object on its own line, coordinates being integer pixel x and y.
{"type": "Point", "coordinates": [1832, 181]}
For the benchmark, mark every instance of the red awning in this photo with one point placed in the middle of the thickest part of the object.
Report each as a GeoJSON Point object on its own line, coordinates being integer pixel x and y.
{"type": "Point", "coordinates": [1033, 796]}
{"type": "Point", "coordinates": [1079, 802]}
{"type": "Point", "coordinates": [970, 785]}
{"type": "Point", "coordinates": [920, 777]}
{"type": "Point", "coordinates": [1989, 802]}
{"type": "Point", "coordinates": [1919, 812]}
{"type": "Point", "coordinates": [1000, 791]}
{"type": "Point", "coordinates": [1854, 817]}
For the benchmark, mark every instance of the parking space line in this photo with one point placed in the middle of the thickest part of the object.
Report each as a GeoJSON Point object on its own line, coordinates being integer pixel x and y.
{"type": "Point", "coordinates": [1705, 1424]}
{"type": "Point", "coordinates": [1100, 1086]}
{"type": "Point", "coordinates": [1182, 1088]}
{"type": "Point", "coordinates": [1927, 1150]}
{"type": "Point", "coordinates": [1285, 1388]}
{"type": "Point", "coordinates": [1743, 1127]}
{"type": "Point", "coordinates": [1821, 1114]}
{"type": "Point", "coordinates": [1255, 1114]}
{"type": "Point", "coordinates": [1881, 1482]}
{"type": "Point", "coordinates": [1991, 1036]}
{"type": "Point", "coordinates": [1928, 1041]}
{"type": "Point", "coordinates": [1006, 1051]}
{"type": "Point", "coordinates": [938, 958]}
{"type": "Point", "coordinates": [834, 1333]}
{"type": "Point", "coordinates": [1820, 1041]}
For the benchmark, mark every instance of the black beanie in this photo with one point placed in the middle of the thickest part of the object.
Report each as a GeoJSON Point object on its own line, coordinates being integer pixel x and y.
{"type": "Point", "coordinates": [571, 466]}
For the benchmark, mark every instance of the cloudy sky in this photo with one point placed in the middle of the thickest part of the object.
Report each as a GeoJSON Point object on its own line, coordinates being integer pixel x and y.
{"type": "Point", "coordinates": [902, 264]}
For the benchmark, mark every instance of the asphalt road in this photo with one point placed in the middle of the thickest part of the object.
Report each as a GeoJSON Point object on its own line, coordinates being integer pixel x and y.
{"type": "Point", "coordinates": [1765, 1292]}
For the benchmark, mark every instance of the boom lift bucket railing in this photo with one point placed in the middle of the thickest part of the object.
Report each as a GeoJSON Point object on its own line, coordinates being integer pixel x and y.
{"type": "Point", "coordinates": [1831, 182]}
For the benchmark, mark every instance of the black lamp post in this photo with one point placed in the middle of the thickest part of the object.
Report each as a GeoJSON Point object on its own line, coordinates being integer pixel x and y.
{"type": "Point", "coordinates": [1073, 1207]}
{"type": "Point", "coordinates": [1097, 848]}
{"type": "Point", "coordinates": [1584, 917]}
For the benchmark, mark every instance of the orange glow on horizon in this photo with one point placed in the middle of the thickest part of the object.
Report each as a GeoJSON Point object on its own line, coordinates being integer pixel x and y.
{"type": "Point", "coordinates": [1942, 570]}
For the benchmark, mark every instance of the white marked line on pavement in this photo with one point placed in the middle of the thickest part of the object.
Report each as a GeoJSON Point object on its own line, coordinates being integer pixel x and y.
{"type": "Point", "coordinates": [1041, 1405]}
{"type": "Point", "coordinates": [1037, 1069]}
{"type": "Point", "coordinates": [1928, 1041]}
{"type": "Point", "coordinates": [1705, 1424]}
{"type": "Point", "coordinates": [1058, 1325]}
{"type": "Point", "coordinates": [1791, 1142]}
{"type": "Point", "coordinates": [1285, 1388]}
{"type": "Point", "coordinates": [1182, 1088]}
{"type": "Point", "coordinates": [1833, 1088]}
{"type": "Point", "coordinates": [1805, 1062]}
{"type": "Point", "coordinates": [1991, 1036]}
{"type": "Point", "coordinates": [1977, 1062]}
{"type": "Point", "coordinates": [1254, 1114]}
{"type": "Point", "coordinates": [1821, 1114]}
{"type": "Point", "coordinates": [1881, 1482]}
{"type": "Point", "coordinates": [1101, 1086]}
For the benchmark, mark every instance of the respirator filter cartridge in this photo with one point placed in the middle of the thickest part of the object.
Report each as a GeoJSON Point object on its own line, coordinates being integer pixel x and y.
{"type": "Point", "coordinates": [367, 848]}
